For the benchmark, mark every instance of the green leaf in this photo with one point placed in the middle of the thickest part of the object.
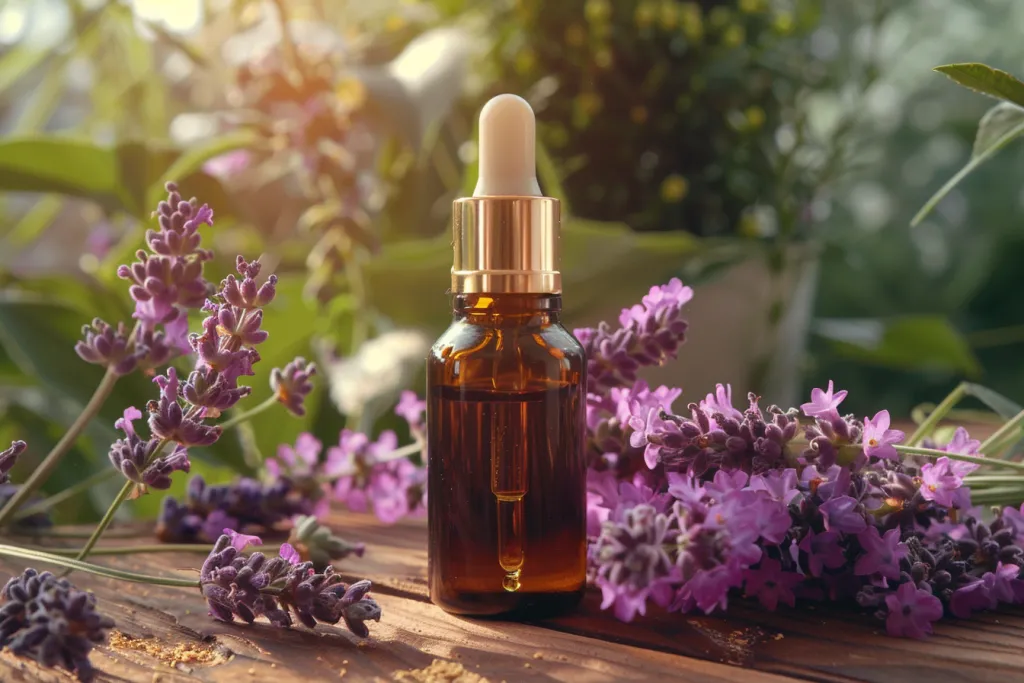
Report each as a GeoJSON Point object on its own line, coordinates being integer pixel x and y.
{"type": "Point", "coordinates": [1003, 124]}
{"type": "Point", "coordinates": [59, 165]}
{"type": "Point", "coordinates": [986, 80]}
{"type": "Point", "coordinates": [39, 336]}
{"type": "Point", "coordinates": [36, 220]}
{"type": "Point", "coordinates": [907, 343]}
{"type": "Point", "coordinates": [18, 62]}
{"type": "Point", "coordinates": [1004, 407]}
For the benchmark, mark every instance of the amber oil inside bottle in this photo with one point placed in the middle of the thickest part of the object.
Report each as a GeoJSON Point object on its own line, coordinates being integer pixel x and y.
{"type": "Point", "coordinates": [507, 481]}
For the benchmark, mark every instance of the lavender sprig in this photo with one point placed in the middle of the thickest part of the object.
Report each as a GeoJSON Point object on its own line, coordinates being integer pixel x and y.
{"type": "Point", "coordinates": [649, 333]}
{"type": "Point", "coordinates": [280, 588]}
{"type": "Point", "coordinates": [49, 620]}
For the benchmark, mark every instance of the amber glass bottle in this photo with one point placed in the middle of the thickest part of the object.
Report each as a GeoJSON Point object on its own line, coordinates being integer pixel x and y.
{"type": "Point", "coordinates": [507, 477]}
{"type": "Point", "coordinates": [506, 385]}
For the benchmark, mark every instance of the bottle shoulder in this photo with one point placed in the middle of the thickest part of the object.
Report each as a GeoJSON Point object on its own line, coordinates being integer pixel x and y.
{"type": "Point", "coordinates": [462, 336]}
{"type": "Point", "coordinates": [518, 356]}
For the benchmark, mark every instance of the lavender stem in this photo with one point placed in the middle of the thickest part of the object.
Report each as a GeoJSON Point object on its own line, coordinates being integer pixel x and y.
{"type": "Point", "coordinates": [53, 458]}
{"type": "Point", "coordinates": [249, 414]}
{"type": "Point", "coordinates": [934, 453]}
{"type": "Point", "coordinates": [941, 410]}
{"type": "Point", "coordinates": [108, 517]}
{"type": "Point", "coordinates": [69, 565]}
{"type": "Point", "coordinates": [996, 441]}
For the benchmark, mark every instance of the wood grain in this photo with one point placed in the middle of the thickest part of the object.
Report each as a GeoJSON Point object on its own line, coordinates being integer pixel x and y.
{"type": "Point", "coordinates": [411, 635]}
{"type": "Point", "coordinates": [812, 643]}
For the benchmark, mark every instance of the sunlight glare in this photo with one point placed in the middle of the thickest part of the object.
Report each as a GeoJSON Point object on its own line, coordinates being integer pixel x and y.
{"type": "Point", "coordinates": [179, 16]}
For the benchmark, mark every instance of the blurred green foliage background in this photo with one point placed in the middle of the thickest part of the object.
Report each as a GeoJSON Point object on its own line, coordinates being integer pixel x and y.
{"type": "Point", "coordinates": [685, 138]}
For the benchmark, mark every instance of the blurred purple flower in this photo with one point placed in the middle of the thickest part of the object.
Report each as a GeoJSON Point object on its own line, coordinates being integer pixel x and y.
{"type": "Point", "coordinates": [9, 458]}
{"type": "Point", "coordinates": [823, 551]}
{"type": "Point", "coordinates": [411, 408]}
{"type": "Point", "coordinates": [911, 611]}
{"type": "Point", "coordinates": [300, 461]}
{"type": "Point", "coordinates": [292, 384]}
{"type": "Point", "coordinates": [882, 554]}
{"type": "Point", "coordinates": [242, 541]}
{"type": "Point", "coordinates": [109, 346]}
{"type": "Point", "coordinates": [770, 584]}
{"type": "Point", "coordinates": [843, 514]}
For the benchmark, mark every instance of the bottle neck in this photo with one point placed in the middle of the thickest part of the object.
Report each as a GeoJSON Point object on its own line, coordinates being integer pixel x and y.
{"type": "Point", "coordinates": [516, 309]}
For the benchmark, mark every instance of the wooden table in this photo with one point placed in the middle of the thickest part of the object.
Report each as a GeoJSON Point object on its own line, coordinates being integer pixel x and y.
{"type": "Point", "coordinates": [164, 635]}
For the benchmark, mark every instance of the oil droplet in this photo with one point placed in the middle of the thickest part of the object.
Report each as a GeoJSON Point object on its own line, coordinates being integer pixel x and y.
{"type": "Point", "coordinates": [511, 581]}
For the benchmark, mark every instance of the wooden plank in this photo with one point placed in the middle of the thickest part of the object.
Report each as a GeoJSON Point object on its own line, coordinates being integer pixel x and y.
{"type": "Point", "coordinates": [813, 642]}
{"type": "Point", "coordinates": [411, 635]}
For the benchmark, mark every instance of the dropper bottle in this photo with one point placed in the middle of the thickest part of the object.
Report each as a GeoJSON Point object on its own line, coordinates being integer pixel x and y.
{"type": "Point", "coordinates": [506, 385]}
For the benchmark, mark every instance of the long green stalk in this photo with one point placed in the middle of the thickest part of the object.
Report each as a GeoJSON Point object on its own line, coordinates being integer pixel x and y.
{"type": "Point", "coordinates": [935, 453]}
{"type": "Point", "coordinates": [53, 458]}
{"type": "Point", "coordinates": [145, 549]}
{"type": "Point", "coordinates": [948, 403]}
{"type": "Point", "coordinates": [1003, 434]}
{"type": "Point", "coordinates": [249, 414]}
{"type": "Point", "coordinates": [71, 565]}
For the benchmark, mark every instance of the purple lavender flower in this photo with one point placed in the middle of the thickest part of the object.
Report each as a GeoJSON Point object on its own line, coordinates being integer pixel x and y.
{"type": "Point", "coordinates": [242, 504]}
{"type": "Point", "coordinates": [110, 347]}
{"type": "Point", "coordinates": [168, 421]}
{"type": "Point", "coordinates": [253, 586]}
{"type": "Point", "coordinates": [212, 392]}
{"type": "Point", "coordinates": [960, 444]}
{"type": "Point", "coordinates": [293, 384]}
{"type": "Point", "coordinates": [9, 458]}
{"type": "Point", "coordinates": [137, 459]}
{"type": "Point", "coordinates": [882, 554]}
{"type": "Point", "coordinates": [720, 402]}
{"type": "Point", "coordinates": [49, 620]}
{"type": "Point", "coordinates": [171, 278]}
{"type": "Point", "coordinates": [987, 592]}
{"type": "Point", "coordinates": [755, 444]}
{"type": "Point", "coordinates": [879, 439]}
{"type": "Point", "coordinates": [631, 562]}
{"type": "Point", "coordinates": [412, 408]}
{"type": "Point", "coordinates": [650, 333]}
{"type": "Point", "coordinates": [824, 403]}
{"type": "Point", "coordinates": [780, 486]}
{"type": "Point", "coordinates": [301, 469]}
{"type": "Point", "coordinates": [843, 514]}
{"type": "Point", "coordinates": [242, 541]}
{"type": "Point", "coordinates": [831, 438]}
{"type": "Point", "coordinates": [942, 484]}
{"type": "Point", "coordinates": [366, 479]}
{"type": "Point", "coordinates": [770, 584]}
{"type": "Point", "coordinates": [822, 551]}
{"type": "Point", "coordinates": [300, 461]}
{"type": "Point", "coordinates": [911, 611]}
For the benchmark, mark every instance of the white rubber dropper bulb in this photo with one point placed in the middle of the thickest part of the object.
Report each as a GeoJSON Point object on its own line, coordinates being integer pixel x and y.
{"type": "Point", "coordinates": [507, 149]}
